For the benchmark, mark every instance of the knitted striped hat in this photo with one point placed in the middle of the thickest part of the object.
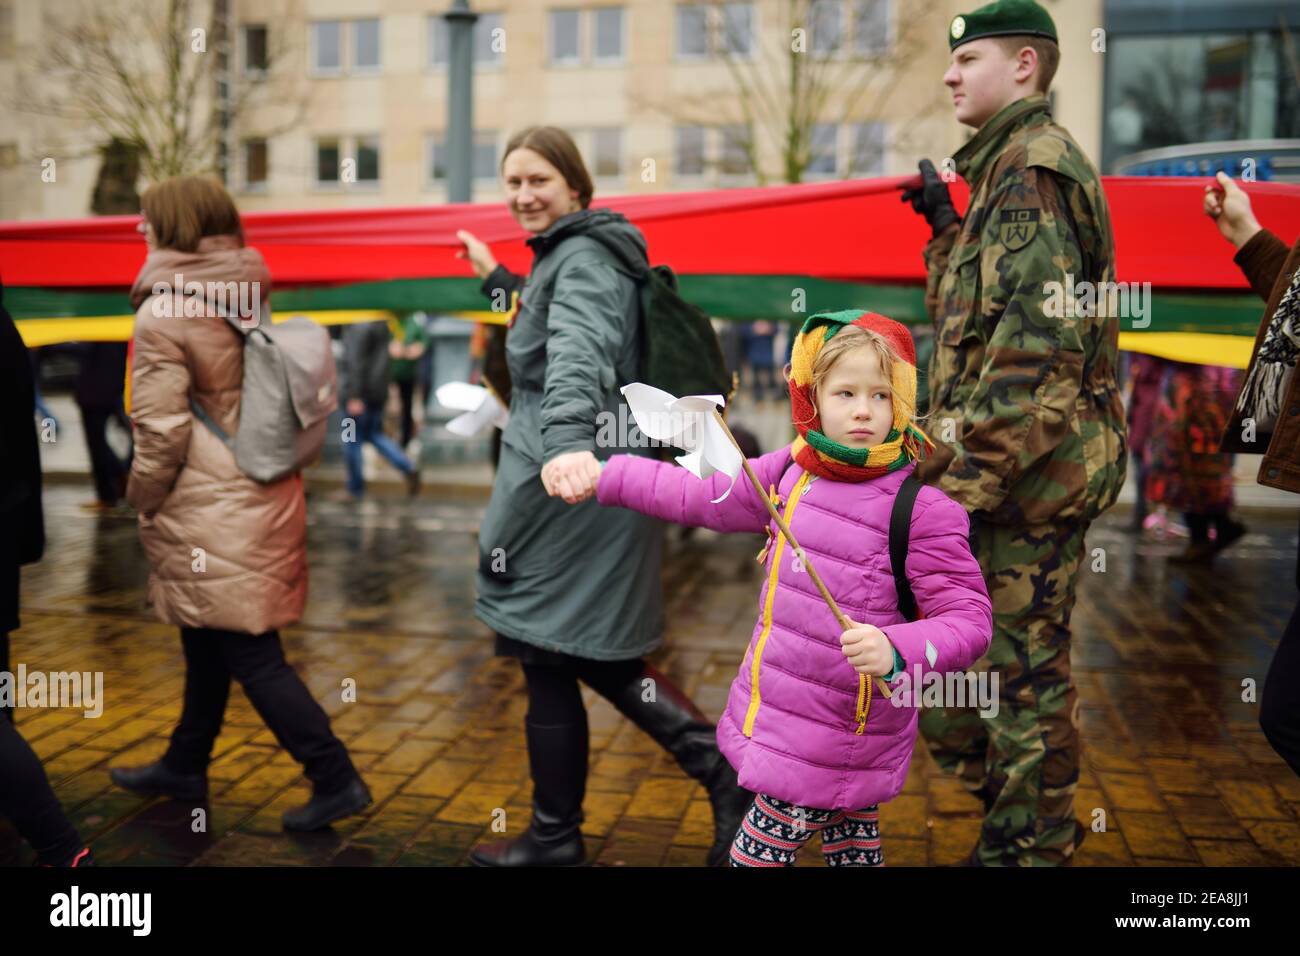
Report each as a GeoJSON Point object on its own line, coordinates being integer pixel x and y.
{"type": "Point", "coordinates": [823, 456]}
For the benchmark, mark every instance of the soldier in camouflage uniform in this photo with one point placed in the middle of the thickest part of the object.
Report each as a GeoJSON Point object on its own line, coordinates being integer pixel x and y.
{"type": "Point", "coordinates": [1028, 416]}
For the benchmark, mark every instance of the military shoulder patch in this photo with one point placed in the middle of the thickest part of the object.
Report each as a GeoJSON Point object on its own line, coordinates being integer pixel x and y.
{"type": "Point", "coordinates": [1017, 228]}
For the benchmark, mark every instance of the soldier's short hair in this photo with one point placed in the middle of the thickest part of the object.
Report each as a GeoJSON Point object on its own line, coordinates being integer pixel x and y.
{"type": "Point", "coordinates": [1049, 56]}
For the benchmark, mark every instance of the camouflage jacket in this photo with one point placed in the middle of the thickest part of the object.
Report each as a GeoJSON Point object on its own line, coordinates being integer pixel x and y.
{"type": "Point", "coordinates": [1024, 405]}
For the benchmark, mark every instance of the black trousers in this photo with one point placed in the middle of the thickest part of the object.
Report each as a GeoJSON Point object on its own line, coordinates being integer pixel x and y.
{"type": "Point", "coordinates": [26, 797]}
{"type": "Point", "coordinates": [275, 690]}
{"type": "Point", "coordinates": [554, 697]}
{"type": "Point", "coordinates": [104, 463]}
{"type": "Point", "coordinates": [1279, 709]}
{"type": "Point", "coordinates": [406, 392]}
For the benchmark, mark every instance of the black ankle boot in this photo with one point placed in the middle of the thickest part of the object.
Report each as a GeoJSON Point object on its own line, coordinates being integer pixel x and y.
{"type": "Point", "coordinates": [677, 725]}
{"type": "Point", "coordinates": [548, 841]}
{"type": "Point", "coordinates": [157, 778]}
{"type": "Point", "coordinates": [323, 809]}
{"type": "Point", "coordinates": [557, 760]}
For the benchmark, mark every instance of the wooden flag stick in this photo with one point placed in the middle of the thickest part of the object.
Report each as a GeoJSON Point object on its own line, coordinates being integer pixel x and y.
{"type": "Point", "coordinates": [844, 622]}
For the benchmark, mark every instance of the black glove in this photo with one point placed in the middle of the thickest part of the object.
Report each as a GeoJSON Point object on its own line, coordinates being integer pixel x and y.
{"type": "Point", "coordinates": [931, 199]}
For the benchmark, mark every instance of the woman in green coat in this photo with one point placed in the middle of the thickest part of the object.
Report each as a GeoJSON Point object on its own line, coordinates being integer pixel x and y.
{"type": "Point", "coordinates": [572, 589]}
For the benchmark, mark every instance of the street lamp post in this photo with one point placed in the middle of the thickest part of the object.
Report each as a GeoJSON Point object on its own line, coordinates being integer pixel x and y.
{"type": "Point", "coordinates": [460, 100]}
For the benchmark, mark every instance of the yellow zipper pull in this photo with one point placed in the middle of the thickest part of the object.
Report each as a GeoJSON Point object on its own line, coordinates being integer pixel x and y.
{"type": "Point", "coordinates": [864, 691]}
{"type": "Point", "coordinates": [773, 497]}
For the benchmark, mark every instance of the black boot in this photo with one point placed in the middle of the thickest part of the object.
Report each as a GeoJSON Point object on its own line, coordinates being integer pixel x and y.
{"type": "Point", "coordinates": [557, 758]}
{"type": "Point", "coordinates": [323, 809]}
{"type": "Point", "coordinates": [157, 778]}
{"type": "Point", "coordinates": [677, 725]}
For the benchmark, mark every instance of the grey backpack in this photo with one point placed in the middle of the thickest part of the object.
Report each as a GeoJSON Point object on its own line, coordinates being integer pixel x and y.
{"type": "Point", "coordinates": [290, 388]}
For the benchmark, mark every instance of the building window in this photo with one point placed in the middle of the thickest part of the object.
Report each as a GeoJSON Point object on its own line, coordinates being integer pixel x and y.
{"type": "Point", "coordinates": [737, 29]}
{"type": "Point", "coordinates": [705, 30]}
{"type": "Point", "coordinates": [868, 156]}
{"type": "Point", "coordinates": [733, 158]}
{"type": "Point", "coordinates": [365, 45]}
{"type": "Point", "coordinates": [871, 26]}
{"type": "Point", "coordinates": [6, 29]}
{"type": "Point", "coordinates": [824, 26]}
{"type": "Point", "coordinates": [692, 31]}
{"type": "Point", "coordinates": [327, 47]}
{"type": "Point", "coordinates": [486, 50]}
{"type": "Point", "coordinates": [368, 159]}
{"type": "Point", "coordinates": [327, 162]}
{"type": "Point", "coordinates": [255, 164]}
{"type": "Point", "coordinates": [485, 38]}
{"type": "Point", "coordinates": [339, 46]}
{"type": "Point", "coordinates": [565, 48]}
{"type": "Point", "coordinates": [608, 34]}
{"type": "Point", "coordinates": [254, 47]}
{"type": "Point", "coordinates": [689, 152]}
{"type": "Point", "coordinates": [723, 149]}
{"type": "Point", "coordinates": [1180, 89]}
{"type": "Point", "coordinates": [483, 156]}
{"type": "Point", "coordinates": [607, 152]}
{"type": "Point", "coordinates": [821, 150]}
{"type": "Point", "coordinates": [347, 160]}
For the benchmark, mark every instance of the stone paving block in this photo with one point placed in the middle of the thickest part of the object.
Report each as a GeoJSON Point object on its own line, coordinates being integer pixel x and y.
{"type": "Point", "coordinates": [442, 778]}
{"type": "Point", "coordinates": [696, 827]}
{"type": "Point", "coordinates": [1130, 791]}
{"type": "Point", "coordinates": [1251, 801]}
{"type": "Point", "coordinates": [1205, 817]}
{"type": "Point", "coordinates": [1278, 838]}
{"type": "Point", "coordinates": [482, 803]}
{"type": "Point", "coordinates": [602, 810]}
{"type": "Point", "coordinates": [1149, 835]}
{"type": "Point", "coordinates": [1231, 853]}
{"type": "Point", "coordinates": [900, 851]}
{"type": "Point", "coordinates": [952, 839]}
{"type": "Point", "coordinates": [408, 757]}
{"type": "Point", "coordinates": [1107, 848]}
{"type": "Point", "coordinates": [636, 842]}
{"type": "Point", "coordinates": [662, 798]}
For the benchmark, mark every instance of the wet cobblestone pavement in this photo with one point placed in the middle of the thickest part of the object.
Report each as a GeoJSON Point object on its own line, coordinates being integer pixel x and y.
{"type": "Point", "coordinates": [1172, 753]}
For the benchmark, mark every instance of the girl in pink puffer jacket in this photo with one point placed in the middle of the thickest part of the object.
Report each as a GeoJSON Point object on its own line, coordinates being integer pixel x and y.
{"type": "Point", "coordinates": [802, 727]}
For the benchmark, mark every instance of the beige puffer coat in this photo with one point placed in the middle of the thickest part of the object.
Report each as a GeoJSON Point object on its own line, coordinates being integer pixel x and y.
{"type": "Point", "coordinates": [226, 552]}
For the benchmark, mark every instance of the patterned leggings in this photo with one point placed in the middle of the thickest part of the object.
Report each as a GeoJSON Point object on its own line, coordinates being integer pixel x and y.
{"type": "Point", "coordinates": [773, 832]}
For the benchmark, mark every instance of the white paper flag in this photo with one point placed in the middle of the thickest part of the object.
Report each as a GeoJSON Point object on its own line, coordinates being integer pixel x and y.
{"type": "Point", "coordinates": [480, 406]}
{"type": "Point", "coordinates": [686, 423]}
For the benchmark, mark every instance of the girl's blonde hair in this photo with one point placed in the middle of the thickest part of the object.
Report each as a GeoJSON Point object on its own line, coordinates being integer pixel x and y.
{"type": "Point", "coordinates": [849, 339]}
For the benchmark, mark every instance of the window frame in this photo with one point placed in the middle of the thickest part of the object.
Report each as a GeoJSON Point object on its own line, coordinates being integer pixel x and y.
{"type": "Point", "coordinates": [313, 48]}
{"type": "Point", "coordinates": [579, 59]}
{"type": "Point", "coordinates": [245, 184]}
{"type": "Point", "coordinates": [246, 71]}
{"type": "Point", "coordinates": [353, 68]}
{"type": "Point", "coordinates": [594, 32]}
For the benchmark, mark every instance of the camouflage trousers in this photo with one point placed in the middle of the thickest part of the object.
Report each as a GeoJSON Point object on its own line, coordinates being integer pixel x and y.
{"type": "Point", "coordinates": [1024, 761]}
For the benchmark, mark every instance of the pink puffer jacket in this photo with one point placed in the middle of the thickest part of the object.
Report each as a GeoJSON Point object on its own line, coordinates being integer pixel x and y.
{"type": "Point", "coordinates": [791, 728]}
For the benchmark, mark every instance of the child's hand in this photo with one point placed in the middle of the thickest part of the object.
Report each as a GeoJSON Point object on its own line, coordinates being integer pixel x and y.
{"type": "Point", "coordinates": [868, 649]}
{"type": "Point", "coordinates": [571, 476]}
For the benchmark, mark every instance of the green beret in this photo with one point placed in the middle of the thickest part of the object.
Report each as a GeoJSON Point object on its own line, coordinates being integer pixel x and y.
{"type": "Point", "coordinates": [1003, 18]}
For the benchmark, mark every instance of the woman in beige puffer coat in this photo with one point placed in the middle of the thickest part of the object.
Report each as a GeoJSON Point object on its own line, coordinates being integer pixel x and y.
{"type": "Point", "coordinates": [228, 555]}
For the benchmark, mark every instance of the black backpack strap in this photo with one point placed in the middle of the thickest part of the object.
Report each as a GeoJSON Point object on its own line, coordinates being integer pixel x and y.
{"type": "Point", "coordinates": [900, 529]}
